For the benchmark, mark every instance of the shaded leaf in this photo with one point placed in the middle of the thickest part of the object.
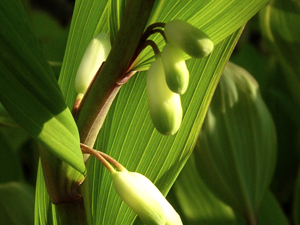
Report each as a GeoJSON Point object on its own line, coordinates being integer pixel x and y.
{"type": "Point", "coordinates": [296, 203]}
{"type": "Point", "coordinates": [270, 212]}
{"type": "Point", "coordinates": [236, 149]}
{"type": "Point", "coordinates": [280, 22]}
{"type": "Point", "coordinates": [198, 205]}
{"type": "Point", "coordinates": [10, 166]}
{"type": "Point", "coordinates": [16, 204]}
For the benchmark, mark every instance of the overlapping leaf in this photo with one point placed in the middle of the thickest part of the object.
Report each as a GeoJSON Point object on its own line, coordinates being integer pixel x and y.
{"type": "Point", "coordinates": [16, 203]}
{"type": "Point", "coordinates": [217, 18]}
{"type": "Point", "coordinates": [280, 22]}
{"type": "Point", "coordinates": [236, 149]}
{"type": "Point", "coordinates": [28, 88]}
{"type": "Point", "coordinates": [198, 205]}
{"type": "Point", "coordinates": [129, 136]}
{"type": "Point", "coordinates": [128, 133]}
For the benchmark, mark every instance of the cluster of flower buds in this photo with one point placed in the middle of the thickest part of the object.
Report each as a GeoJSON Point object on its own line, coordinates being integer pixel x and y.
{"type": "Point", "coordinates": [95, 54]}
{"type": "Point", "coordinates": [168, 76]}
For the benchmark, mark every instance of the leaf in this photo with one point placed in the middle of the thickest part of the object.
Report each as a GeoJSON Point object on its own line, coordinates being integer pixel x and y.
{"type": "Point", "coordinates": [280, 22]}
{"type": "Point", "coordinates": [296, 203]}
{"type": "Point", "coordinates": [198, 205]}
{"type": "Point", "coordinates": [5, 118]}
{"type": "Point", "coordinates": [129, 114]}
{"type": "Point", "coordinates": [51, 35]}
{"type": "Point", "coordinates": [29, 90]}
{"type": "Point", "coordinates": [129, 136]}
{"type": "Point", "coordinates": [16, 204]}
{"type": "Point", "coordinates": [236, 148]}
{"type": "Point", "coordinates": [10, 166]}
{"type": "Point", "coordinates": [271, 212]}
{"type": "Point", "coordinates": [217, 19]}
{"type": "Point", "coordinates": [45, 212]}
{"type": "Point", "coordinates": [115, 15]}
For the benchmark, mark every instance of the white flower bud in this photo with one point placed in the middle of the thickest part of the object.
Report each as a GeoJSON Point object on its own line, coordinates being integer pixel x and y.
{"type": "Point", "coordinates": [176, 72]}
{"type": "Point", "coordinates": [95, 54]}
{"type": "Point", "coordinates": [190, 39]}
{"type": "Point", "coordinates": [164, 105]}
{"type": "Point", "coordinates": [144, 198]}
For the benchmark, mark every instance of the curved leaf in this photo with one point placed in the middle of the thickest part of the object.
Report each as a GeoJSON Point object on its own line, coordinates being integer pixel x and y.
{"type": "Point", "coordinates": [280, 22]}
{"type": "Point", "coordinates": [236, 149]}
{"type": "Point", "coordinates": [16, 203]}
{"type": "Point", "coordinates": [29, 90]}
{"type": "Point", "coordinates": [217, 19]}
{"type": "Point", "coordinates": [197, 203]}
{"type": "Point", "coordinates": [129, 136]}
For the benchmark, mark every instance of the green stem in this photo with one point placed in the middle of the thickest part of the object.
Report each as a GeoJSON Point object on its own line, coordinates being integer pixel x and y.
{"type": "Point", "coordinates": [72, 213]}
{"type": "Point", "coordinates": [100, 96]}
{"type": "Point", "coordinates": [88, 150]}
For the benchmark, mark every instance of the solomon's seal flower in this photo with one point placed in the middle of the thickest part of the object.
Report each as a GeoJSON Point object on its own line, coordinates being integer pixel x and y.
{"type": "Point", "coordinates": [95, 54]}
{"type": "Point", "coordinates": [138, 192]}
{"type": "Point", "coordinates": [164, 105]}
{"type": "Point", "coordinates": [176, 72]}
{"type": "Point", "coordinates": [143, 197]}
{"type": "Point", "coordinates": [190, 39]}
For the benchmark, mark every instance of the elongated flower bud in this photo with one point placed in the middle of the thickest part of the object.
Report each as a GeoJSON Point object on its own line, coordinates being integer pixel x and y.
{"type": "Point", "coordinates": [176, 72]}
{"type": "Point", "coordinates": [95, 54]}
{"type": "Point", "coordinates": [143, 197]}
{"type": "Point", "coordinates": [190, 39]}
{"type": "Point", "coordinates": [164, 105]}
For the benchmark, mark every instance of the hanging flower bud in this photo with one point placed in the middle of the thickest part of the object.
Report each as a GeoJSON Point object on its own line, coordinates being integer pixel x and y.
{"type": "Point", "coordinates": [143, 197]}
{"type": "Point", "coordinates": [164, 105]}
{"type": "Point", "coordinates": [177, 74]}
{"type": "Point", "coordinates": [95, 54]}
{"type": "Point", "coordinates": [190, 39]}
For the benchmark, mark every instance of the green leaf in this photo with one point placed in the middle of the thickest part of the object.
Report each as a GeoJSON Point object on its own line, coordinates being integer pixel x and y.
{"type": "Point", "coordinates": [198, 205]}
{"type": "Point", "coordinates": [236, 149]}
{"type": "Point", "coordinates": [128, 130]}
{"type": "Point", "coordinates": [271, 212]}
{"type": "Point", "coordinates": [16, 204]}
{"type": "Point", "coordinates": [5, 118]}
{"type": "Point", "coordinates": [280, 22]}
{"type": "Point", "coordinates": [296, 203]}
{"type": "Point", "coordinates": [29, 90]}
{"type": "Point", "coordinates": [10, 166]}
{"type": "Point", "coordinates": [89, 19]}
{"type": "Point", "coordinates": [115, 15]}
{"type": "Point", "coordinates": [217, 19]}
{"type": "Point", "coordinates": [129, 136]}
{"type": "Point", "coordinates": [45, 212]}
{"type": "Point", "coordinates": [51, 35]}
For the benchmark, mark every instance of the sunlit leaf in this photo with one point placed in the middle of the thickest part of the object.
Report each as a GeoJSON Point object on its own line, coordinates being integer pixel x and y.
{"type": "Point", "coordinates": [217, 18]}
{"type": "Point", "coordinates": [29, 90]}
{"type": "Point", "coordinates": [128, 127]}
{"type": "Point", "coordinates": [130, 137]}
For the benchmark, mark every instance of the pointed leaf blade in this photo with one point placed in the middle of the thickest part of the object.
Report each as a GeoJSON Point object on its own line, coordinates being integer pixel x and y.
{"type": "Point", "coordinates": [29, 90]}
